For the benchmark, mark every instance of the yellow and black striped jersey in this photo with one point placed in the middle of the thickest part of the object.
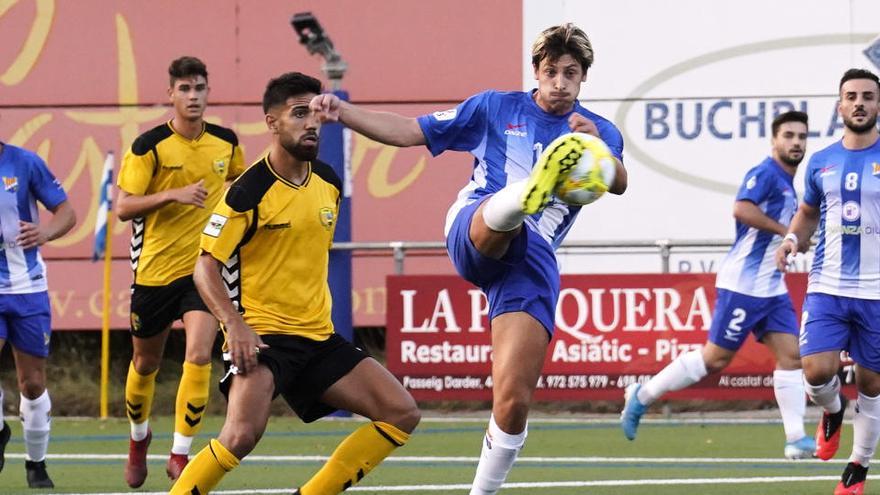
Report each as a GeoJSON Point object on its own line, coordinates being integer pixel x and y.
{"type": "Point", "coordinates": [165, 242]}
{"type": "Point", "coordinates": [273, 238]}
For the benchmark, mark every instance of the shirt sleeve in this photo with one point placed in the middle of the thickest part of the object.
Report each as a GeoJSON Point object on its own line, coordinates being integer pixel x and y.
{"type": "Point", "coordinates": [224, 230]}
{"type": "Point", "coordinates": [812, 185]}
{"type": "Point", "coordinates": [614, 140]}
{"type": "Point", "coordinates": [457, 129]}
{"type": "Point", "coordinates": [136, 171]}
{"type": "Point", "coordinates": [236, 164]}
{"type": "Point", "coordinates": [44, 186]}
{"type": "Point", "coordinates": [755, 186]}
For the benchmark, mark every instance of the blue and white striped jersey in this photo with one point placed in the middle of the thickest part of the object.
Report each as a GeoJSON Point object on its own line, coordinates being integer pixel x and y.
{"type": "Point", "coordinates": [26, 180]}
{"type": "Point", "coordinates": [845, 186]}
{"type": "Point", "coordinates": [749, 267]}
{"type": "Point", "coordinates": [506, 133]}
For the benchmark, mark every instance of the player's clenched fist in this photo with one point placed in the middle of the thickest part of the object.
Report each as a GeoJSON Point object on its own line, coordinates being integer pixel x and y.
{"type": "Point", "coordinates": [327, 106]}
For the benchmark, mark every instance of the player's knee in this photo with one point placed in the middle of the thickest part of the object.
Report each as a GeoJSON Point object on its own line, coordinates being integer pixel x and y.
{"type": "Point", "coordinates": [199, 357]}
{"type": "Point", "coordinates": [717, 363]}
{"type": "Point", "coordinates": [408, 418]}
{"type": "Point", "coordinates": [145, 364]}
{"type": "Point", "coordinates": [32, 387]}
{"type": "Point", "coordinates": [817, 374]}
{"type": "Point", "coordinates": [239, 441]}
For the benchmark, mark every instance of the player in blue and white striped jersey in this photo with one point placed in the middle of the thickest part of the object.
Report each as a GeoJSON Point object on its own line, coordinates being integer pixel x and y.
{"type": "Point", "coordinates": [842, 308]}
{"type": "Point", "coordinates": [25, 318]}
{"type": "Point", "coordinates": [503, 229]}
{"type": "Point", "coordinates": [752, 296]}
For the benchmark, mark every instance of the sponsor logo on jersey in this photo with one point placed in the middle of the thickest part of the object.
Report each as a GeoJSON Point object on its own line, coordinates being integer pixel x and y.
{"type": "Point", "coordinates": [826, 171]}
{"type": "Point", "coordinates": [178, 166]}
{"type": "Point", "coordinates": [276, 226]}
{"type": "Point", "coordinates": [10, 184]}
{"type": "Point", "coordinates": [753, 180]}
{"type": "Point", "coordinates": [851, 211]}
{"type": "Point", "coordinates": [876, 167]}
{"type": "Point", "coordinates": [445, 115]}
{"type": "Point", "coordinates": [215, 225]}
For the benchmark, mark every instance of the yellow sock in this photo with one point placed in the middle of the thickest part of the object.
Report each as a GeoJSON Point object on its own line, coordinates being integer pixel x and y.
{"type": "Point", "coordinates": [205, 470]}
{"type": "Point", "coordinates": [139, 390]}
{"type": "Point", "coordinates": [356, 456]}
{"type": "Point", "coordinates": [192, 398]}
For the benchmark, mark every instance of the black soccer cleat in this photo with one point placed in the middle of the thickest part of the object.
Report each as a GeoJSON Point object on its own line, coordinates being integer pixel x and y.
{"type": "Point", "coordinates": [5, 433]}
{"type": "Point", "coordinates": [852, 482]}
{"type": "Point", "coordinates": [37, 477]}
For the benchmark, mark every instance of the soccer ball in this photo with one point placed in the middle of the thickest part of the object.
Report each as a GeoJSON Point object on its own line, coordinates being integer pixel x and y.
{"type": "Point", "coordinates": [591, 176]}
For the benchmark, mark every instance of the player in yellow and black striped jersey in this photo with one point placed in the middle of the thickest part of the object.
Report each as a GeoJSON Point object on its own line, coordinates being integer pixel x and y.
{"type": "Point", "coordinates": [263, 273]}
{"type": "Point", "coordinates": [169, 182]}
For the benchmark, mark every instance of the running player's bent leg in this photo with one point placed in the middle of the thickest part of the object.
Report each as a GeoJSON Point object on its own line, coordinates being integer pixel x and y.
{"type": "Point", "coordinates": [519, 342]}
{"type": "Point", "coordinates": [193, 391]}
{"type": "Point", "coordinates": [369, 390]}
{"type": "Point", "coordinates": [247, 413]}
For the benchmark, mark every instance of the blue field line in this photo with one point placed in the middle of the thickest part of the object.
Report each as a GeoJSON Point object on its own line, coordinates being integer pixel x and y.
{"type": "Point", "coordinates": [420, 431]}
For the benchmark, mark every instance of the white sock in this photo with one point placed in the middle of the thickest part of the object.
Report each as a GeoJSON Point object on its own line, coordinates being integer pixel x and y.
{"type": "Point", "coordinates": [866, 429]}
{"type": "Point", "coordinates": [139, 430]}
{"type": "Point", "coordinates": [36, 421]}
{"type": "Point", "coordinates": [499, 453]}
{"type": "Point", "coordinates": [503, 211]}
{"type": "Point", "coordinates": [788, 386]}
{"type": "Point", "coordinates": [2, 418]}
{"type": "Point", "coordinates": [826, 395]}
{"type": "Point", "coordinates": [684, 371]}
{"type": "Point", "coordinates": [182, 444]}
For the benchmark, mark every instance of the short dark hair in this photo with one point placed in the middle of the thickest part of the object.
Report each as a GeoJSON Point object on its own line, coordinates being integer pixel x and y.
{"type": "Point", "coordinates": [286, 85]}
{"type": "Point", "coordinates": [858, 74]}
{"type": "Point", "coordinates": [556, 41]}
{"type": "Point", "coordinates": [186, 66]}
{"type": "Point", "coordinates": [792, 116]}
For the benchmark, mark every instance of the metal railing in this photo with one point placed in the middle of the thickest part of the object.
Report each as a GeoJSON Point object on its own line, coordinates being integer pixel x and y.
{"type": "Point", "coordinates": [663, 247]}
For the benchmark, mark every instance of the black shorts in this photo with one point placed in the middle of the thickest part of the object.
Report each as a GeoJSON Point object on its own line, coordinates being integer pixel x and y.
{"type": "Point", "coordinates": [303, 370]}
{"type": "Point", "coordinates": [154, 308]}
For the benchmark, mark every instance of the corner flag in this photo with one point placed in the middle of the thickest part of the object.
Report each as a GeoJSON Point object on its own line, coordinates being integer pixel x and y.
{"type": "Point", "coordinates": [103, 209]}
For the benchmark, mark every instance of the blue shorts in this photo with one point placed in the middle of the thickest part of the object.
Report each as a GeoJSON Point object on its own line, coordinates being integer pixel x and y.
{"type": "Point", "coordinates": [526, 279]}
{"type": "Point", "coordinates": [737, 315]}
{"type": "Point", "coordinates": [835, 323]}
{"type": "Point", "coordinates": [26, 322]}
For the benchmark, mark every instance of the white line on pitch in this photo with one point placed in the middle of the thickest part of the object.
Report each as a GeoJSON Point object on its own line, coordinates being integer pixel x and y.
{"type": "Point", "coordinates": [455, 459]}
{"type": "Point", "coordinates": [532, 485]}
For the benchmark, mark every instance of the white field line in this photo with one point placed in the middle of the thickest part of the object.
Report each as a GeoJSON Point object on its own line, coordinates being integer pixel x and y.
{"type": "Point", "coordinates": [458, 459]}
{"type": "Point", "coordinates": [531, 485]}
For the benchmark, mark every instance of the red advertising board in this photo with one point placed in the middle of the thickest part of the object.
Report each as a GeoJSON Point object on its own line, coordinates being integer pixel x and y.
{"type": "Point", "coordinates": [611, 330]}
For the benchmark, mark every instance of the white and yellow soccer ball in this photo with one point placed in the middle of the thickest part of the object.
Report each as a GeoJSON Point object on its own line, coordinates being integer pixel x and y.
{"type": "Point", "coordinates": [591, 176]}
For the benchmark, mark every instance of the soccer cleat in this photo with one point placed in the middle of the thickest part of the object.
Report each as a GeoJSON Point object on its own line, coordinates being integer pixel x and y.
{"type": "Point", "coordinates": [550, 170]}
{"type": "Point", "coordinates": [632, 412]}
{"type": "Point", "coordinates": [176, 463]}
{"type": "Point", "coordinates": [37, 477]}
{"type": "Point", "coordinates": [136, 467]}
{"type": "Point", "coordinates": [852, 482]}
{"type": "Point", "coordinates": [5, 433]}
{"type": "Point", "coordinates": [828, 431]}
{"type": "Point", "coordinates": [804, 448]}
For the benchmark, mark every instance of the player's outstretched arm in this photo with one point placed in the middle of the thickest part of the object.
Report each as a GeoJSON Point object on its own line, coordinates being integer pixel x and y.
{"type": "Point", "coordinates": [384, 127]}
{"type": "Point", "coordinates": [241, 340]}
{"type": "Point", "coordinates": [134, 205]}
{"type": "Point", "coordinates": [797, 239]}
{"type": "Point", "coordinates": [750, 214]}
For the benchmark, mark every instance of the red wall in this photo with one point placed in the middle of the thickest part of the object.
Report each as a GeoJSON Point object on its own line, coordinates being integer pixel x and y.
{"type": "Point", "coordinates": [80, 78]}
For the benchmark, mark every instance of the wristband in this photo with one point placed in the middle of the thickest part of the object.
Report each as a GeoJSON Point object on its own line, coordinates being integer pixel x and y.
{"type": "Point", "coordinates": [791, 236]}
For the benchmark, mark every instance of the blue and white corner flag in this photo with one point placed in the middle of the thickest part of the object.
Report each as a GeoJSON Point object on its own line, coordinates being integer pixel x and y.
{"type": "Point", "coordinates": [103, 208]}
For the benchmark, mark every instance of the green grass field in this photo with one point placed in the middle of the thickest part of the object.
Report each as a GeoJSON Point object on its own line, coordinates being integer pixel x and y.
{"type": "Point", "coordinates": [561, 457]}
